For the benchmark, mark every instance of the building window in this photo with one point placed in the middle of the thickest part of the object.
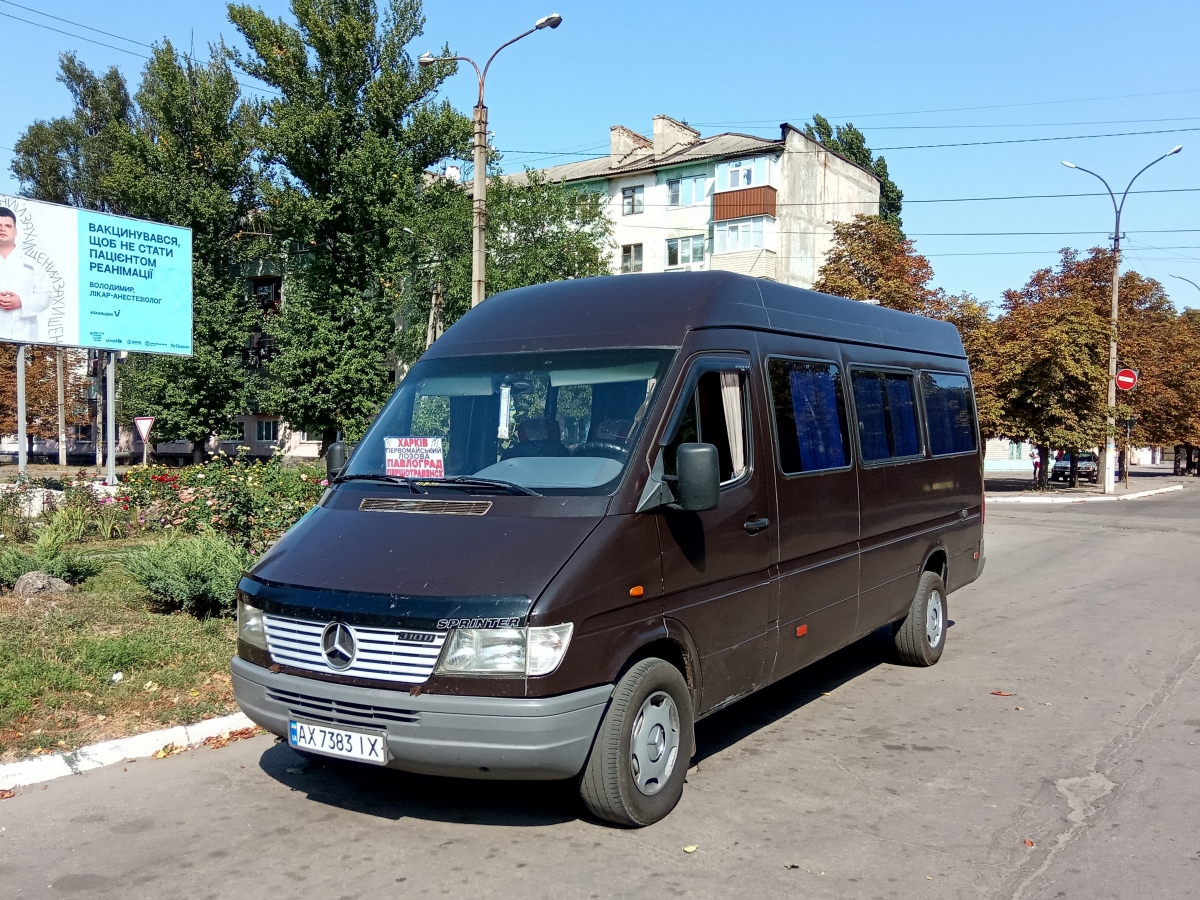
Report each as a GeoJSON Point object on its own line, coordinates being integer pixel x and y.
{"type": "Point", "coordinates": [686, 250]}
{"type": "Point", "coordinates": [267, 430]}
{"type": "Point", "coordinates": [738, 234]}
{"type": "Point", "coordinates": [633, 200]}
{"type": "Point", "coordinates": [741, 173]}
{"type": "Point", "coordinates": [631, 258]}
{"type": "Point", "coordinates": [686, 191]}
{"type": "Point", "coordinates": [267, 293]}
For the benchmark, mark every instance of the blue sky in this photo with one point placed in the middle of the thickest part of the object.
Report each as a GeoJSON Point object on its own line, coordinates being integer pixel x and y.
{"type": "Point", "coordinates": [908, 74]}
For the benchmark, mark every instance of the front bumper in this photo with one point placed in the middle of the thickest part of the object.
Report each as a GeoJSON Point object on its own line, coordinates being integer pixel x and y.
{"type": "Point", "coordinates": [436, 734]}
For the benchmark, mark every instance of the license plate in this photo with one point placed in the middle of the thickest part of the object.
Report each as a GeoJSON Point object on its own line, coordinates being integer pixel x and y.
{"type": "Point", "coordinates": [364, 746]}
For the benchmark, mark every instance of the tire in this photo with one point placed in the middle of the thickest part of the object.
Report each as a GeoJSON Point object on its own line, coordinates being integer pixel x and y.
{"type": "Point", "coordinates": [921, 636]}
{"type": "Point", "coordinates": [643, 699]}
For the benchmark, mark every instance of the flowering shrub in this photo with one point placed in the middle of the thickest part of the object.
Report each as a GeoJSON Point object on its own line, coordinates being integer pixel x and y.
{"type": "Point", "coordinates": [251, 504]}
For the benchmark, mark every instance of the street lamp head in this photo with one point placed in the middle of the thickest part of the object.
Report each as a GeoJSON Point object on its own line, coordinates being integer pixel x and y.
{"type": "Point", "coordinates": [425, 59]}
{"type": "Point", "coordinates": [551, 21]}
{"type": "Point", "coordinates": [1176, 150]}
{"type": "Point", "coordinates": [1069, 165]}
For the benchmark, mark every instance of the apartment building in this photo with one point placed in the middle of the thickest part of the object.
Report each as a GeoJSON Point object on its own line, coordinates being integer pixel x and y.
{"type": "Point", "coordinates": [735, 202]}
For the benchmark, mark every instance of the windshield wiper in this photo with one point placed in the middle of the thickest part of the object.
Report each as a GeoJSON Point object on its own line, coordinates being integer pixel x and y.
{"type": "Point", "coordinates": [411, 483]}
{"type": "Point", "coordinates": [472, 481]}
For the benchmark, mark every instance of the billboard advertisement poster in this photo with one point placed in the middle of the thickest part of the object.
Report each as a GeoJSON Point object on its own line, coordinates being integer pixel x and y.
{"type": "Point", "coordinates": [78, 278]}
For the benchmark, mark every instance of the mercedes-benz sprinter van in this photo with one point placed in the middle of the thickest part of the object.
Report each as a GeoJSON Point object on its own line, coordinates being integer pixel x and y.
{"type": "Point", "coordinates": [599, 510]}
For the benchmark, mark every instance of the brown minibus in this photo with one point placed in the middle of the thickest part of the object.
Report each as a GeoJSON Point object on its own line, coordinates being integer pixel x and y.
{"type": "Point", "coordinates": [599, 510]}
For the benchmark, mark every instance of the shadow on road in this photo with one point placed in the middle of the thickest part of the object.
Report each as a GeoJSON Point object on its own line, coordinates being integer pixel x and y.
{"type": "Point", "coordinates": [390, 794]}
{"type": "Point", "coordinates": [725, 728]}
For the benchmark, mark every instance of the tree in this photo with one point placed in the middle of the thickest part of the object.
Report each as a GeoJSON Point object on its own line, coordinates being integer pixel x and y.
{"type": "Point", "coordinates": [41, 389]}
{"type": "Point", "coordinates": [63, 160]}
{"type": "Point", "coordinates": [848, 141]}
{"type": "Point", "coordinates": [538, 231]}
{"type": "Point", "coordinates": [182, 151]}
{"type": "Point", "coordinates": [350, 138]}
{"type": "Point", "coordinates": [1052, 357]}
{"type": "Point", "coordinates": [871, 259]}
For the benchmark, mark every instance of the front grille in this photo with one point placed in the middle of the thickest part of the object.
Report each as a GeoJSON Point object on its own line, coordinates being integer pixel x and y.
{"type": "Point", "coordinates": [340, 712]}
{"type": "Point", "coordinates": [428, 507]}
{"type": "Point", "coordinates": [383, 654]}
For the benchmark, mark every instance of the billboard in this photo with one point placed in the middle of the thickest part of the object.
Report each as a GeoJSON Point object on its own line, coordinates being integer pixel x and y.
{"type": "Point", "coordinates": [77, 278]}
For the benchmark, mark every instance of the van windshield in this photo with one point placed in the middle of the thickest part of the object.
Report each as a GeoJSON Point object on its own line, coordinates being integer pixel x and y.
{"type": "Point", "coordinates": [557, 422]}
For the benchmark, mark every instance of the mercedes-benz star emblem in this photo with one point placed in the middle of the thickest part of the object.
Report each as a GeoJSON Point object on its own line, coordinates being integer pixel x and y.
{"type": "Point", "coordinates": [338, 645]}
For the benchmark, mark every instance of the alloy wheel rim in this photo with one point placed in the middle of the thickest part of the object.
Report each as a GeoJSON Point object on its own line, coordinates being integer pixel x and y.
{"type": "Point", "coordinates": [934, 618]}
{"type": "Point", "coordinates": [654, 743]}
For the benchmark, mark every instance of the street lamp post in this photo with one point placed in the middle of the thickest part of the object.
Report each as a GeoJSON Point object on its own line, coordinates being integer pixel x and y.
{"type": "Point", "coordinates": [479, 120]}
{"type": "Point", "coordinates": [1109, 470]}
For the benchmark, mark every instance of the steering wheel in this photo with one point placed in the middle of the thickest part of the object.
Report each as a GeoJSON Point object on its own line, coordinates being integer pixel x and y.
{"type": "Point", "coordinates": [605, 449]}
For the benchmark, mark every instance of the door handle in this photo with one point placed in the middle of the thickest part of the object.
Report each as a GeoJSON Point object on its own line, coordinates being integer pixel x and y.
{"type": "Point", "coordinates": [754, 526]}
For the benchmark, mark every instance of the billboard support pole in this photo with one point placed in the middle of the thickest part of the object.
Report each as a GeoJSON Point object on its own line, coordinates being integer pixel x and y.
{"type": "Point", "coordinates": [110, 422]}
{"type": "Point", "coordinates": [22, 440]}
{"type": "Point", "coordinates": [62, 410]}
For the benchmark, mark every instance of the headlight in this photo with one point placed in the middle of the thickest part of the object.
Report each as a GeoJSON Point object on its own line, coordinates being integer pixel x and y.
{"type": "Point", "coordinates": [504, 651]}
{"type": "Point", "coordinates": [250, 625]}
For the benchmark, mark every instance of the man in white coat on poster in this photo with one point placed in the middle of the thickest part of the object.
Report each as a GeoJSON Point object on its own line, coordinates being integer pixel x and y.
{"type": "Point", "coordinates": [24, 287]}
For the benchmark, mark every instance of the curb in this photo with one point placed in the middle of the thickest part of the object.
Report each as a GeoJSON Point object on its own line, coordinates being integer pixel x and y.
{"type": "Point", "coordinates": [1089, 498]}
{"type": "Point", "coordinates": [47, 768]}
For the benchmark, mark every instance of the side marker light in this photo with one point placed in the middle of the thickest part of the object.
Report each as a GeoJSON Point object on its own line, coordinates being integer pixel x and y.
{"type": "Point", "coordinates": [801, 630]}
{"type": "Point", "coordinates": [636, 591]}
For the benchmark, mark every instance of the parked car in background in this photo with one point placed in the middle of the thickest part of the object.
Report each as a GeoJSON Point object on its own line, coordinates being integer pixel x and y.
{"type": "Point", "coordinates": [1089, 468]}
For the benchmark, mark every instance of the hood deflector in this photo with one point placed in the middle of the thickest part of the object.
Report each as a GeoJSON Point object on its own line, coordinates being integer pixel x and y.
{"type": "Point", "coordinates": [427, 507]}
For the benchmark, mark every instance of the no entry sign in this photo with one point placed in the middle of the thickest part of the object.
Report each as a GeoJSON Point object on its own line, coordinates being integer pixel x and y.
{"type": "Point", "coordinates": [1126, 379]}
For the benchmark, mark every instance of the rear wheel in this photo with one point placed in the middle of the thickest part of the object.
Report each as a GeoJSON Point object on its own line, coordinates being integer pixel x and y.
{"type": "Point", "coordinates": [921, 636]}
{"type": "Point", "coordinates": [634, 774]}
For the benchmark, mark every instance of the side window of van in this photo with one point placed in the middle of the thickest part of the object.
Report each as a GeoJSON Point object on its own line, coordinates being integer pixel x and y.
{"type": "Point", "coordinates": [949, 413]}
{"type": "Point", "coordinates": [887, 415]}
{"type": "Point", "coordinates": [810, 415]}
{"type": "Point", "coordinates": [715, 414]}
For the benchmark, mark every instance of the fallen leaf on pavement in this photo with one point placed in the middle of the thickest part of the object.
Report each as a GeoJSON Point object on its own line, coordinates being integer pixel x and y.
{"type": "Point", "coordinates": [690, 848]}
{"type": "Point", "coordinates": [1018, 708]}
{"type": "Point", "coordinates": [4, 795]}
{"type": "Point", "coordinates": [1002, 694]}
{"type": "Point", "coordinates": [169, 750]}
{"type": "Point", "coordinates": [217, 741]}
{"type": "Point", "coordinates": [791, 866]}
{"type": "Point", "coordinates": [1028, 842]}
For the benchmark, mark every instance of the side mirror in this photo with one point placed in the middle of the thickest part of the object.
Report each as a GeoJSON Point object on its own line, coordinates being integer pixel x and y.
{"type": "Point", "coordinates": [698, 485]}
{"type": "Point", "coordinates": [335, 460]}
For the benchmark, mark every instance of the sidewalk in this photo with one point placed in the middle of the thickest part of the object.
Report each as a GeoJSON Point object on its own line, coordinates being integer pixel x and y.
{"type": "Point", "coordinates": [1004, 485]}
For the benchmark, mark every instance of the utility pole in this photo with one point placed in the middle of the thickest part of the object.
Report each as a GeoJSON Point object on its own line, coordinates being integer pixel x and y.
{"type": "Point", "coordinates": [1110, 449]}
{"type": "Point", "coordinates": [479, 191]}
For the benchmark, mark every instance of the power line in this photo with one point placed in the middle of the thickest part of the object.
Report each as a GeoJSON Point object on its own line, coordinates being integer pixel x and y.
{"type": "Point", "coordinates": [119, 37]}
{"type": "Point", "coordinates": [77, 37]}
{"type": "Point", "coordinates": [875, 128]}
{"type": "Point", "coordinates": [1035, 140]}
{"type": "Point", "coordinates": [1014, 106]}
{"type": "Point", "coordinates": [80, 37]}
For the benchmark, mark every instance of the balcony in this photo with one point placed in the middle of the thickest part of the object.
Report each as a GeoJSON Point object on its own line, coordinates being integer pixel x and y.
{"type": "Point", "coordinates": [743, 203]}
{"type": "Point", "coordinates": [758, 262]}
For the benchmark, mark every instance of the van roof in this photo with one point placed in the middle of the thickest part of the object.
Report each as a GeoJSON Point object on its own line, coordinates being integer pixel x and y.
{"type": "Point", "coordinates": [657, 310]}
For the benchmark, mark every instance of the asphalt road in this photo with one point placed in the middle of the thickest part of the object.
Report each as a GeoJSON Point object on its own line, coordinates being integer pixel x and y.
{"type": "Point", "coordinates": [856, 778]}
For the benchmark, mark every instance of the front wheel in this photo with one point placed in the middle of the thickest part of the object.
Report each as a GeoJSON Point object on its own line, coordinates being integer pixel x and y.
{"type": "Point", "coordinates": [634, 774]}
{"type": "Point", "coordinates": [921, 636]}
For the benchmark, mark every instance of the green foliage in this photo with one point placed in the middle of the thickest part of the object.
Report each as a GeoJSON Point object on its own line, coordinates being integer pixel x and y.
{"type": "Point", "coordinates": [250, 503]}
{"type": "Point", "coordinates": [49, 556]}
{"type": "Point", "coordinates": [351, 136]}
{"type": "Point", "coordinates": [197, 575]}
{"type": "Point", "coordinates": [184, 150]}
{"type": "Point", "coordinates": [848, 141]}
